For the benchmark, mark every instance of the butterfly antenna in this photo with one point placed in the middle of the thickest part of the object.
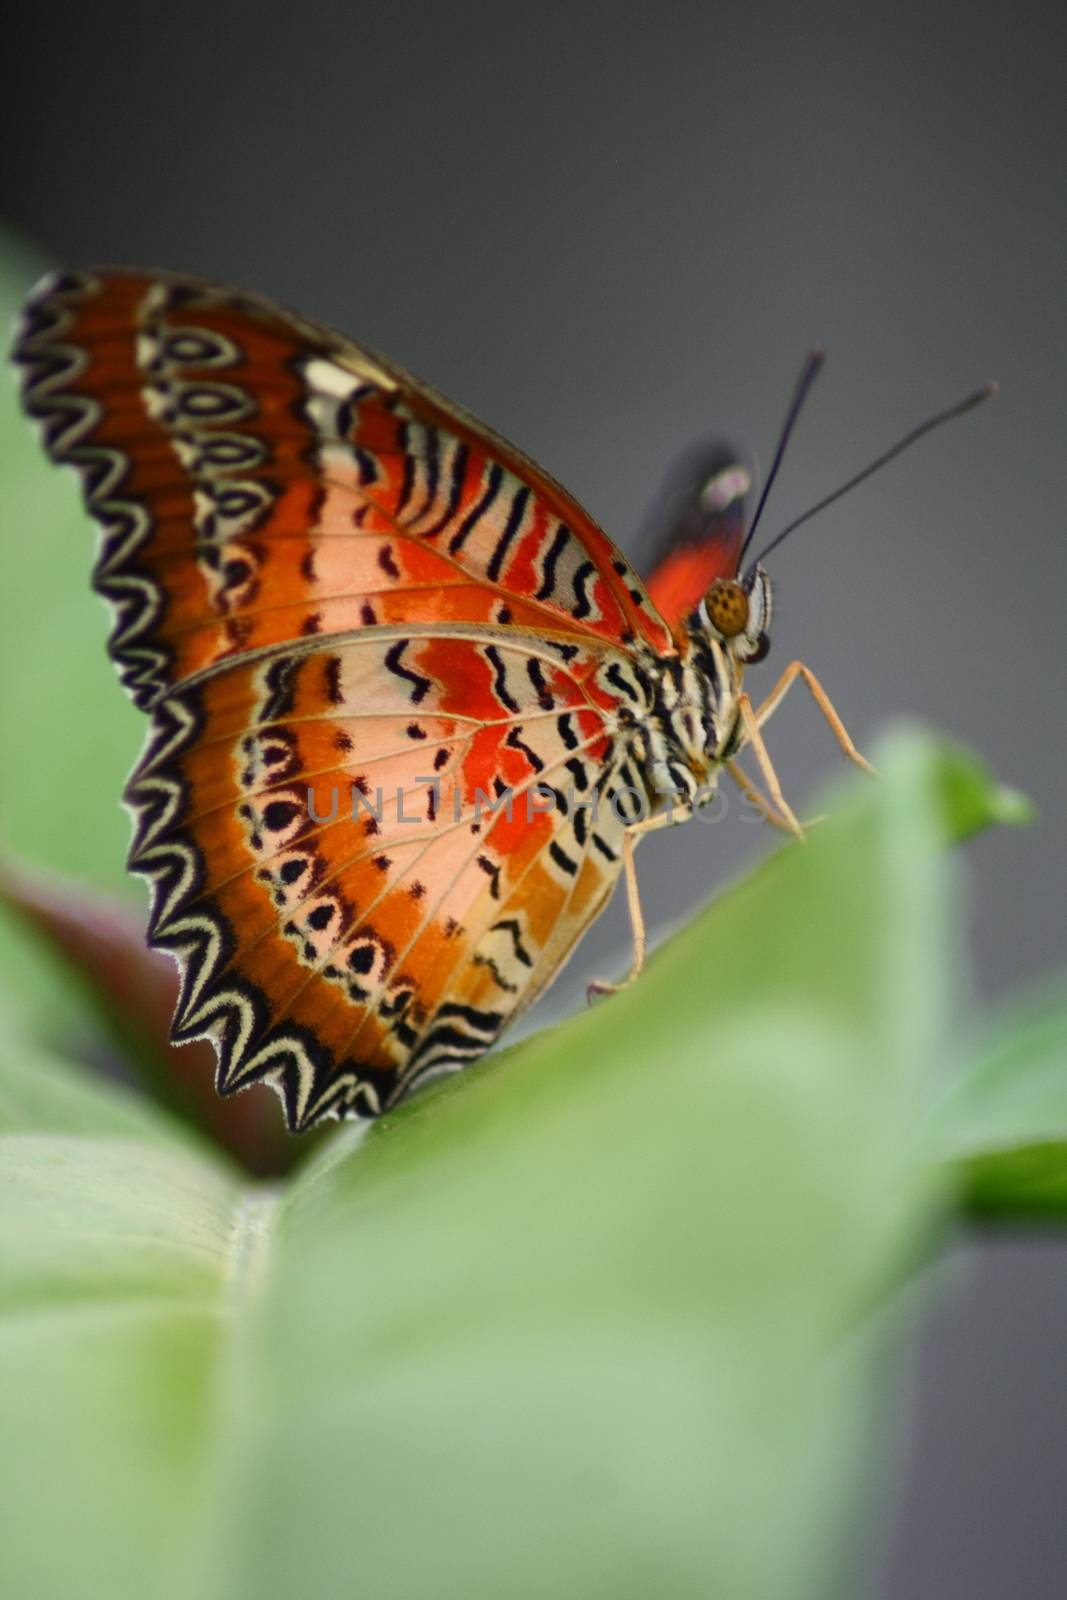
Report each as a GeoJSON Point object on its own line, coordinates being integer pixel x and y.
{"type": "Point", "coordinates": [984, 393]}
{"type": "Point", "coordinates": [807, 377]}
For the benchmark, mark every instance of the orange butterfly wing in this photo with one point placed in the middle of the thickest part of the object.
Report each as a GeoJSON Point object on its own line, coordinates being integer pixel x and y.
{"type": "Point", "coordinates": [259, 478]}
{"type": "Point", "coordinates": [327, 578]}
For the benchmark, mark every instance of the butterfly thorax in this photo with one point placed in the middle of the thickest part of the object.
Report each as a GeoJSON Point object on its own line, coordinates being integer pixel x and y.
{"type": "Point", "coordinates": [692, 722]}
{"type": "Point", "coordinates": [689, 723]}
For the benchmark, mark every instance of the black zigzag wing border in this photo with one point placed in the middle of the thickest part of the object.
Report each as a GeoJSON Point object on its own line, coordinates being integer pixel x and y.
{"type": "Point", "coordinates": [49, 365]}
{"type": "Point", "coordinates": [234, 1015]}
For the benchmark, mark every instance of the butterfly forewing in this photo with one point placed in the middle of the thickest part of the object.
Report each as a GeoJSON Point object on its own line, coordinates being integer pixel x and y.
{"type": "Point", "coordinates": [260, 479]}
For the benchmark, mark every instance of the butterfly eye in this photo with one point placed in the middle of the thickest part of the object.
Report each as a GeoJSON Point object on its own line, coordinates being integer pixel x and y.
{"type": "Point", "coordinates": [760, 651]}
{"type": "Point", "coordinates": [727, 607]}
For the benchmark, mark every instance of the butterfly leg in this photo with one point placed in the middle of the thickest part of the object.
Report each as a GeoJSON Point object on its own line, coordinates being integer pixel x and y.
{"type": "Point", "coordinates": [795, 670]}
{"type": "Point", "coordinates": [757, 797]}
{"type": "Point", "coordinates": [630, 839]}
{"type": "Point", "coordinates": [753, 737]}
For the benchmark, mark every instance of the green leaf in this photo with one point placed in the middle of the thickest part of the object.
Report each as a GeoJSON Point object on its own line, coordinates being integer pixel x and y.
{"type": "Point", "coordinates": [115, 1257]}
{"type": "Point", "coordinates": [41, 1092]}
{"type": "Point", "coordinates": [1002, 1126]}
{"type": "Point", "coordinates": [116, 1243]}
{"type": "Point", "coordinates": [593, 1319]}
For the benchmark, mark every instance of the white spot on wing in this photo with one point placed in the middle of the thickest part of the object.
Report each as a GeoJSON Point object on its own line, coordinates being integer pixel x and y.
{"type": "Point", "coordinates": [327, 378]}
{"type": "Point", "coordinates": [724, 488]}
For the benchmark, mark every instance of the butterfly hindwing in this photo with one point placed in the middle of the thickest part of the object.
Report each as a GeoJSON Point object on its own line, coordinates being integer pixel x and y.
{"type": "Point", "coordinates": [371, 851]}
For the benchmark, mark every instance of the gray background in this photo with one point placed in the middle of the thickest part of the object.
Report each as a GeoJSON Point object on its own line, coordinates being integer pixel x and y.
{"type": "Point", "coordinates": [609, 229]}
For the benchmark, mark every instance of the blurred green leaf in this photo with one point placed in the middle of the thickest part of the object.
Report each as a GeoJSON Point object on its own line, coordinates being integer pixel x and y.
{"type": "Point", "coordinates": [1002, 1126]}
{"type": "Point", "coordinates": [41, 1092]}
{"type": "Point", "coordinates": [115, 1241]}
{"type": "Point", "coordinates": [115, 1259]}
{"type": "Point", "coordinates": [973, 804]}
{"type": "Point", "coordinates": [592, 1319]}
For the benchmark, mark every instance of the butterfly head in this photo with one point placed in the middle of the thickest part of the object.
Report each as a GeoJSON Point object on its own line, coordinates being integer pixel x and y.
{"type": "Point", "coordinates": [699, 696]}
{"type": "Point", "coordinates": [737, 613]}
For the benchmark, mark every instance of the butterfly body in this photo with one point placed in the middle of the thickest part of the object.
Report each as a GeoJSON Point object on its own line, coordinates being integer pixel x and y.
{"type": "Point", "coordinates": [410, 708]}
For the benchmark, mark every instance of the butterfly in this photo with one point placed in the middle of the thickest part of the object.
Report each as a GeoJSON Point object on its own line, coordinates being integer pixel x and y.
{"type": "Point", "coordinates": [411, 710]}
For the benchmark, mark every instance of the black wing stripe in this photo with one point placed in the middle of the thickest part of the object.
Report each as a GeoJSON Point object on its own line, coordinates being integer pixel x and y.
{"type": "Point", "coordinates": [492, 488]}
{"type": "Point", "coordinates": [548, 571]}
{"type": "Point", "coordinates": [519, 502]}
